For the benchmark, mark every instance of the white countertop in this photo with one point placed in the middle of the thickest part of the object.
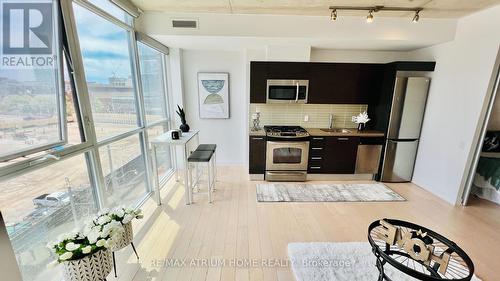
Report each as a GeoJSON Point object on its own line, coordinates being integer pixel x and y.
{"type": "Point", "coordinates": [166, 138]}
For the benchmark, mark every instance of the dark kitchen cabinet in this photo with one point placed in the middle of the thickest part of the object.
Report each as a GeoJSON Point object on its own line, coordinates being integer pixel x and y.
{"type": "Point", "coordinates": [261, 71]}
{"type": "Point", "coordinates": [257, 155]}
{"type": "Point", "coordinates": [333, 155]}
{"type": "Point", "coordinates": [329, 83]}
{"type": "Point", "coordinates": [334, 83]}
{"type": "Point", "coordinates": [258, 82]}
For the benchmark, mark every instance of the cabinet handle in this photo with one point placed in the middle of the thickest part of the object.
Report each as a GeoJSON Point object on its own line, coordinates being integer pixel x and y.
{"type": "Point", "coordinates": [316, 148]}
{"type": "Point", "coordinates": [315, 167]}
{"type": "Point", "coordinates": [342, 139]}
{"type": "Point", "coordinates": [318, 138]}
{"type": "Point", "coordinates": [316, 158]}
{"type": "Point", "coordinates": [257, 138]}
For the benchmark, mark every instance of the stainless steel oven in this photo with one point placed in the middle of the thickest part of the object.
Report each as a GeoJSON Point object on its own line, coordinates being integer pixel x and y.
{"type": "Point", "coordinates": [287, 160]}
{"type": "Point", "coordinates": [287, 91]}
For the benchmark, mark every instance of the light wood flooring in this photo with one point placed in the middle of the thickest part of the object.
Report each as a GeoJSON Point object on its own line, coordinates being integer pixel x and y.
{"type": "Point", "coordinates": [236, 227]}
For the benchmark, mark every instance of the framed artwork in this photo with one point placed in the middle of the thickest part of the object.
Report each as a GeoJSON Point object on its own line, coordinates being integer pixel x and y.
{"type": "Point", "coordinates": [213, 95]}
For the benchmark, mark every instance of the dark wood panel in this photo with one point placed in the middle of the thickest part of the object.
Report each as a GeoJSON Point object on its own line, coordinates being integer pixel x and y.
{"type": "Point", "coordinates": [340, 155]}
{"type": "Point", "coordinates": [333, 155]}
{"type": "Point", "coordinates": [257, 155]}
{"type": "Point", "coordinates": [258, 80]}
{"type": "Point", "coordinates": [331, 83]}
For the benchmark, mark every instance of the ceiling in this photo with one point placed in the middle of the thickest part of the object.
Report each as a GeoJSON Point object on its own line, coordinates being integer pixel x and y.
{"type": "Point", "coordinates": [432, 8]}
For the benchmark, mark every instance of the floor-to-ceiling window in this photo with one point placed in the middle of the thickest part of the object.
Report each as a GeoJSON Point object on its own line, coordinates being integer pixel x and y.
{"type": "Point", "coordinates": [75, 127]}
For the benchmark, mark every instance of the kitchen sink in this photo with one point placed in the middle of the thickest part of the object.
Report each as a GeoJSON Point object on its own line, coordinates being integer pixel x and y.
{"type": "Point", "coordinates": [342, 131]}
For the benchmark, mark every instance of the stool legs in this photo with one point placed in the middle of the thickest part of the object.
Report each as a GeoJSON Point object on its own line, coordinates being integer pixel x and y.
{"type": "Point", "coordinates": [209, 183]}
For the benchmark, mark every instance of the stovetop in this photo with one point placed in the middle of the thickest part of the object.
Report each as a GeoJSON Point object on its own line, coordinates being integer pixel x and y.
{"type": "Point", "coordinates": [286, 131]}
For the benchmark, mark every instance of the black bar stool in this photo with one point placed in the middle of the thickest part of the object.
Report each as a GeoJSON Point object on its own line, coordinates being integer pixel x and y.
{"type": "Point", "coordinates": [197, 157]}
{"type": "Point", "coordinates": [210, 147]}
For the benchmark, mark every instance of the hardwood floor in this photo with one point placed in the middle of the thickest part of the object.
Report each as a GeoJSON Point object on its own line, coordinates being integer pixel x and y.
{"type": "Point", "coordinates": [236, 227]}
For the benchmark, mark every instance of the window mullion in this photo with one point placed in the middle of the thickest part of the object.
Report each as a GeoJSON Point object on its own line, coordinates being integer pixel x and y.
{"type": "Point", "coordinates": [78, 74]}
{"type": "Point", "coordinates": [141, 109]}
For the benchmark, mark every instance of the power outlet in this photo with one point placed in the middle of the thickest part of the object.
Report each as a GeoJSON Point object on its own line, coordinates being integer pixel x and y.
{"type": "Point", "coordinates": [306, 118]}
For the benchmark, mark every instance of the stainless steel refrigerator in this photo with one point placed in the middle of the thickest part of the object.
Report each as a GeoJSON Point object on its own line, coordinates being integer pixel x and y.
{"type": "Point", "coordinates": [405, 123]}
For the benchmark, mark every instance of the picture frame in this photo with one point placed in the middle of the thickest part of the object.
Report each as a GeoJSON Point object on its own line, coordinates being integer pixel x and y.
{"type": "Point", "coordinates": [213, 95]}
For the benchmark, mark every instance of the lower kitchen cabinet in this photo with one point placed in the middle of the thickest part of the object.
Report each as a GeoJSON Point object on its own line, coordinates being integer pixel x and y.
{"type": "Point", "coordinates": [333, 155]}
{"type": "Point", "coordinates": [257, 155]}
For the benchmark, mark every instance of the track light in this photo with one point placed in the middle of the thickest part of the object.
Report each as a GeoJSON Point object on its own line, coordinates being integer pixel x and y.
{"type": "Point", "coordinates": [333, 15]}
{"type": "Point", "coordinates": [375, 9]}
{"type": "Point", "coordinates": [369, 18]}
{"type": "Point", "coordinates": [416, 17]}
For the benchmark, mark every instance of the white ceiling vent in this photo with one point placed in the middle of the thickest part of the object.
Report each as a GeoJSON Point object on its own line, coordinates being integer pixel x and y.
{"type": "Point", "coordinates": [185, 23]}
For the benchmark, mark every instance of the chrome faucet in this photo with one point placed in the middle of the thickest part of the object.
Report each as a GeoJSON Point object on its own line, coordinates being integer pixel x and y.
{"type": "Point", "coordinates": [330, 122]}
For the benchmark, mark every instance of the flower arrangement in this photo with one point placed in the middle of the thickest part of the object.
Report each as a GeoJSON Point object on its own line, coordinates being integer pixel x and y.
{"type": "Point", "coordinates": [99, 233]}
{"type": "Point", "coordinates": [361, 118]}
{"type": "Point", "coordinates": [77, 245]}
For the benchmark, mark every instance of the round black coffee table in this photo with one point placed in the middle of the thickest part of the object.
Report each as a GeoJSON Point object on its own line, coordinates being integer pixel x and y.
{"type": "Point", "coordinates": [417, 251]}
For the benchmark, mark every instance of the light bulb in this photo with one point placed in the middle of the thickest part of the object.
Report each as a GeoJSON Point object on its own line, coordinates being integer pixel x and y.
{"type": "Point", "coordinates": [369, 18]}
{"type": "Point", "coordinates": [333, 15]}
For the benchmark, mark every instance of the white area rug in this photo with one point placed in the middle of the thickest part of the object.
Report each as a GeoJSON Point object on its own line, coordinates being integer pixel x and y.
{"type": "Point", "coordinates": [338, 262]}
{"type": "Point", "coordinates": [306, 192]}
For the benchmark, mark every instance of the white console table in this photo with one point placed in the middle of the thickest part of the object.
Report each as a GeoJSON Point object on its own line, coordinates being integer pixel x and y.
{"type": "Point", "coordinates": [165, 139]}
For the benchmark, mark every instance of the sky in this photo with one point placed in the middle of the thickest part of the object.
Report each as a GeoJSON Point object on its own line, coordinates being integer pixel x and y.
{"type": "Point", "coordinates": [104, 45]}
{"type": "Point", "coordinates": [105, 48]}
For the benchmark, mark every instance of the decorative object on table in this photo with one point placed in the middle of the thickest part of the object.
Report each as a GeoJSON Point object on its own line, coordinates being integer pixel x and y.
{"type": "Point", "coordinates": [361, 120]}
{"type": "Point", "coordinates": [86, 256]}
{"type": "Point", "coordinates": [184, 126]}
{"type": "Point", "coordinates": [417, 251]}
{"type": "Point", "coordinates": [124, 217]}
{"type": "Point", "coordinates": [340, 261]}
{"type": "Point", "coordinates": [306, 192]}
{"type": "Point", "coordinates": [491, 142]}
{"type": "Point", "coordinates": [256, 121]}
{"type": "Point", "coordinates": [175, 134]}
{"type": "Point", "coordinates": [213, 95]}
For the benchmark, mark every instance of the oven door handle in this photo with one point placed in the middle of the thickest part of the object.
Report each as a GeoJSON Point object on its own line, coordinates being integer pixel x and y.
{"type": "Point", "coordinates": [297, 93]}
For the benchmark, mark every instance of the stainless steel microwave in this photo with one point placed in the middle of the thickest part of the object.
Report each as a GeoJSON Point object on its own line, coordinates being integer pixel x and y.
{"type": "Point", "coordinates": [287, 91]}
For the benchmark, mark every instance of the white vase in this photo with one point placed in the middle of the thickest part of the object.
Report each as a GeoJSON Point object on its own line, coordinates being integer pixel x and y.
{"type": "Point", "coordinates": [95, 267]}
{"type": "Point", "coordinates": [125, 238]}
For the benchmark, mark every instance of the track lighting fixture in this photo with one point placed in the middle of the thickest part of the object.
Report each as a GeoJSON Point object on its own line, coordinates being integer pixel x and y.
{"type": "Point", "coordinates": [417, 16]}
{"type": "Point", "coordinates": [333, 15]}
{"type": "Point", "coordinates": [369, 18]}
{"type": "Point", "coordinates": [374, 9]}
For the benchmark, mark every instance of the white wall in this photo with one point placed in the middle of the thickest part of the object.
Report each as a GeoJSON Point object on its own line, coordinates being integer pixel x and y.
{"type": "Point", "coordinates": [357, 56]}
{"type": "Point", "coordinates": [456, 99]}
{"type": "Point", "coordinates": [229, 134]}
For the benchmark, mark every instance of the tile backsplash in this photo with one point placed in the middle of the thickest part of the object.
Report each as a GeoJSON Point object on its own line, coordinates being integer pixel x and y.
{"type": "Point", "coordinates": [294, 114]}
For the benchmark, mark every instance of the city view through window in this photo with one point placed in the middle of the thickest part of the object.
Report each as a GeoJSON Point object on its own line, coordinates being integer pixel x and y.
{"type": "Point", "coordinates": [42, 203]}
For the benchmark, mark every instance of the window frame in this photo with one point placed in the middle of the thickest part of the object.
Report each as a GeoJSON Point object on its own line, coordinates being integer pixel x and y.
{"type": "Point", "coordinates": [60, 96]}
{"type": "Point", "coordinates": [69, 46]}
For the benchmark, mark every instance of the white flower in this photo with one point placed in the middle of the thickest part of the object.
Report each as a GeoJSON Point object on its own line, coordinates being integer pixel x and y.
{"type": "Point", "coordinates": [102, 212]}
{"type": "Point", "coordinates": [53, 264]}
{"type": "Point", "coordinates": [109, 243]}
{"type": "Point", "coordinates": [127, 218]}
{"type": "Point", "coordinates": [103, 219]}
{"type": "Point", "coordinates": [87, 249]}
{"type": "Point", "coordinates": [72, 246]}
{"type": "Point", "coordinates": [93, 236]}
{"type": "Point", "coordinates": [66, 256]}
{"type": "Point", "coordinates": [119, 213]}
{"type": "Point", "coordinates": [101, 243]}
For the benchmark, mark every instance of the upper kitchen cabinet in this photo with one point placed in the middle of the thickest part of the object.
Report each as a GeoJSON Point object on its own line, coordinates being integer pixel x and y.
{"type": "Point", "coordinates": [334, 83]}
{"type": "Point", "coordinates": [261, 71]}
{"type": "Point", "coordinates": [329, 83]}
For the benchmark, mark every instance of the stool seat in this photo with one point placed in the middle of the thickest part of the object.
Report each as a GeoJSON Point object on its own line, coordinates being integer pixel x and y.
{"type": "Point", "coordinates": [207, 147]}
{"type": "Point", "coordinates": [200, 156]}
